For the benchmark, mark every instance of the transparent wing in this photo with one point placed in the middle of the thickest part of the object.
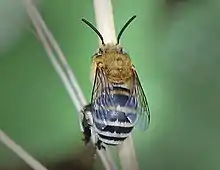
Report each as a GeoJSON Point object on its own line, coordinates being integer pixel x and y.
{"type": "Point", "coordinates": [100, 98]}
{"type": "Point", "coordinates": [142, 109]}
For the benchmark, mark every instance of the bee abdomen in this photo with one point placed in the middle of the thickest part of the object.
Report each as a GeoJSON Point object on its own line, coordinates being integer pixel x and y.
{"type": "Point", "coordinates": [108, 140]}
{"type": "Point", "coordinates": [114, 116]}
{"type": "Point", "coordinates": [113, 135]}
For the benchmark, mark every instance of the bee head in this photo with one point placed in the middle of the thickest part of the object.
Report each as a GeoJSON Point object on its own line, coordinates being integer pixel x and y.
{"type": "Point", "coordinates": [109, 47]}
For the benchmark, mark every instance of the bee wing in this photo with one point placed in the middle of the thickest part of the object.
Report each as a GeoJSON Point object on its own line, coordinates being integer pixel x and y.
{"type": "Point", "coordinates": [142, 108]}
{"type": "Point", "coordinates": [101, 98]}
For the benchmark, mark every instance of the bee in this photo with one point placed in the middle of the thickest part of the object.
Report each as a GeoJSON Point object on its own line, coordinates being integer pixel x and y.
{"type": "Point", "coordinates": [118, 102]}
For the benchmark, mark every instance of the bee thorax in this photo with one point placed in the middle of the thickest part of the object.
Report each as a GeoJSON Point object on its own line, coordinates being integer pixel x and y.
{"type": "Point", "coordinates": [117, 75]}
{"type": "Point", "coordinates": [118, 69]}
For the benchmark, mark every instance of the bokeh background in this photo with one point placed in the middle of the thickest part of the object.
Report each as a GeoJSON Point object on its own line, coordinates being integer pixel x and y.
{"type": "Point", "coordinates": [175, 45]}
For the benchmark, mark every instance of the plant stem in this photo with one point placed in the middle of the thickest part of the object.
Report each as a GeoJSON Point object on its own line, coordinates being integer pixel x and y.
{"type": "Point", "coordinates": [64, 71]}
{"type": "Point", "coordinates": [105, 20]}
{"type": "Point", "coordinates": [105, 24]}
{"type": "Point", "coordinates": [9, 143]}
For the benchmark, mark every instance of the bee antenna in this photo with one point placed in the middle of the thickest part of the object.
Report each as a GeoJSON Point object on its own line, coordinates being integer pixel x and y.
{"type": "Point", "coordinates": [94, 29]}
{"type": "Point", "coordinates": [124, 27]}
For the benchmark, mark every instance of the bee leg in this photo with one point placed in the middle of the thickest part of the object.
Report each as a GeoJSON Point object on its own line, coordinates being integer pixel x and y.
{"type": "Point", "coordinates": [87, 108]}
{"type": "Point", "coordinates": [99, 145]}
{"type": "Point", "coordinates": [86, 125]}
{"type": "Point", "coordinates": [87, 135]}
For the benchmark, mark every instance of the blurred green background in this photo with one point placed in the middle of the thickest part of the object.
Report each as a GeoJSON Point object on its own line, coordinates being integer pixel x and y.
{"type": "Point", "coordinates": [175, 46]}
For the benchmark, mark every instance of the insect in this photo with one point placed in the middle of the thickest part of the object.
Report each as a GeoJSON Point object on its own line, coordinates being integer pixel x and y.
{"type": "Point", "coordinates": [118, 103]}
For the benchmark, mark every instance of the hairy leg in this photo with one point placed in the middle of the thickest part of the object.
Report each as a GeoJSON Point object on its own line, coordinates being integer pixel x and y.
{"type": "Point", "coordinates": [100, 145]}
{"type": "Point", "coordinates": [86, 125]}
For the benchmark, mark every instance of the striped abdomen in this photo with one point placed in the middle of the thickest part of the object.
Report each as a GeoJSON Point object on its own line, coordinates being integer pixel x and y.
{"type": "Point", "coordinates": [114, 115]}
